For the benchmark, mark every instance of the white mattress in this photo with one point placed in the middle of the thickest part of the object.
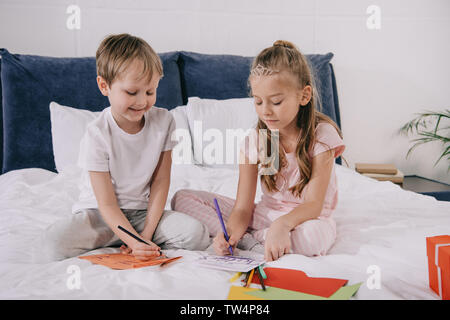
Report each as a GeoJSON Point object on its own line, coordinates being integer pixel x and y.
{"type": "Point", "coordinates": [378, 224]}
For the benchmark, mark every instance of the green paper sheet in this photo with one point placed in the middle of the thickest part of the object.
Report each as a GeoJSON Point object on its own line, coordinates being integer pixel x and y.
{"type": "Point", "coordinates": [345, 292]}
{"type": "Point", "coordinates": [272, 293]}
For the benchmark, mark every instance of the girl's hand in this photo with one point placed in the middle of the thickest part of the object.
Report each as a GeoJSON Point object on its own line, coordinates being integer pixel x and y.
{"type": "Point", "coordinates": [278, 241]}
{"type": "Point", "coordinates": [221, 246]}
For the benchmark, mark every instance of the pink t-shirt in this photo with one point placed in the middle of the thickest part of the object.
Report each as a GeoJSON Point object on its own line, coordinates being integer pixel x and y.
{"type": "Point", "coordinates": [284, 201]}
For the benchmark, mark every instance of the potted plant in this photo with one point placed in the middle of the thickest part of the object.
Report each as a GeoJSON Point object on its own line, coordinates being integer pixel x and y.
{"type": "Point", "coordinates": [430, 126]}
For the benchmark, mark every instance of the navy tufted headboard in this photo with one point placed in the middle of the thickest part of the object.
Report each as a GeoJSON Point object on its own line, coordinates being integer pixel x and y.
{"type": "Point", "coordinates": [29, 83]}
{"type": "Point", "coordinates": [225, 76]}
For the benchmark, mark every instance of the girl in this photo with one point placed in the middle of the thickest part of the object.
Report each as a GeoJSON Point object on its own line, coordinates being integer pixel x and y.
{"type": "Point", "coordinates": [294, 214]}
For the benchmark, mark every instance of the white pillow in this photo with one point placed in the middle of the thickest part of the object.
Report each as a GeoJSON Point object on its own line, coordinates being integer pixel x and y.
{"type": "Point", "coordinates": [180, 117]}
{"type": "Point", "coordinates": [69, 124]}
{"type": "Point", "coordinates": [217, 128]}
{"type": "Point", "coordinates": [182, 152]}
{"type": "Point", "coordinates": [68, 127]}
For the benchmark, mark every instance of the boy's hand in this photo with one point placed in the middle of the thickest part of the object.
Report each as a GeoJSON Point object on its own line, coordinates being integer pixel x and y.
{"type": "Point", "coordinates": [142, 251]}
{"type": "Point", "coordinates": [278, 241]}
{"type": "Point", "coordinates": [124, 249]}
{"type": "Point", "coordinates": [221, 246]}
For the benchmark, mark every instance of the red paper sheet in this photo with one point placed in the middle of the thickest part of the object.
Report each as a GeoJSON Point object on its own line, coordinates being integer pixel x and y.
{"type": "Point", "coordinates": [297, 280]}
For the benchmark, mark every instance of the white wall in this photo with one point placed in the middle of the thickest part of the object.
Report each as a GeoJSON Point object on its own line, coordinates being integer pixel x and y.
{"type": "Point", "coordinates": [384, 76]}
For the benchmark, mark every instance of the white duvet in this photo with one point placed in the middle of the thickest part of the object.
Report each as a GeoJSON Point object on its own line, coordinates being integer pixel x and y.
{"type": "Point", "coordinates": [381, 234]}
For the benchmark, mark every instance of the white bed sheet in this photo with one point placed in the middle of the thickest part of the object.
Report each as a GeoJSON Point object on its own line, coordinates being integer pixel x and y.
{"type": "Point", "coordinates": [378, 224]}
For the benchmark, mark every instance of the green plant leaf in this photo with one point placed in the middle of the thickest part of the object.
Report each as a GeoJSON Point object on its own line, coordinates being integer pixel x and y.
{"type": "Point", "coordinates": [420, 126]}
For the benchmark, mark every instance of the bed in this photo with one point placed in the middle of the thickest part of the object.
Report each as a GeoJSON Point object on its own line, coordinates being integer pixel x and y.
{"type": "Point", "coordinates": [381, 228]}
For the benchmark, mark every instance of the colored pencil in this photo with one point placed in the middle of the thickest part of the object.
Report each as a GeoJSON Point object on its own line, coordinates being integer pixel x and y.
{"type": "Point", "coordinates": [247, 274]}
{"type": "Point", "coordinates": [250, 278]}
{"type": "Point", "coordinates": [219, 214]}
{"type": "Point", "coordinates": [260, 278]}
{"type": "Point", "coordinates": [237, 275]}
{"type": "Point", "coordinates": [261, 271]}
{"type": "Point", "coordinates": [132, 235]}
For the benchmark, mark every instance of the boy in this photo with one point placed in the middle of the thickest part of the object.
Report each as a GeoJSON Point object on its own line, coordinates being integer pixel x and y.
{"type": "Point", "coordinates": [126, 157]}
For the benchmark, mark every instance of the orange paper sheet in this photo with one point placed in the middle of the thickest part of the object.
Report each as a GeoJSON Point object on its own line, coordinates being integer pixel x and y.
{"type": "Point", "coordinates": [122, 261]}
{"type": "Point", "coordinates": [297, 280]}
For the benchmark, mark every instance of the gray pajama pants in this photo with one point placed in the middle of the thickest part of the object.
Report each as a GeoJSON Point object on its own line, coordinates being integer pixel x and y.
{"type": "Point", "coordinates": [86, 230]}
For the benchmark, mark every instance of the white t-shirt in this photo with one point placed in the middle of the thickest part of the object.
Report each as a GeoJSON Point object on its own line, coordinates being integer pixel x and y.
{"type": "Point", "coordinates": [131, 159]}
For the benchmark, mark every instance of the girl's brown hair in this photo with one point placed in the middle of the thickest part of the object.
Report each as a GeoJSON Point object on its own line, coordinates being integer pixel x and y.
{"type": "Point", "coordinates": [284, 56]}
{"type": "Point", "coordinates": [116, 52]}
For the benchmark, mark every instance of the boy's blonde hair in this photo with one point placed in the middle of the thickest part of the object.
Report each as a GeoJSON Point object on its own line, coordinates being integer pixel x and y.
{"type": "Point", "coordinates": [284, 56]}
{"type": "Point", "coordinates": [117, 52]}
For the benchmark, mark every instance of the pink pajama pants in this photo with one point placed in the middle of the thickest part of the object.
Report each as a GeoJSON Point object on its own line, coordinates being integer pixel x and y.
{"type": "Point", "coordinates": [311, 238]}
